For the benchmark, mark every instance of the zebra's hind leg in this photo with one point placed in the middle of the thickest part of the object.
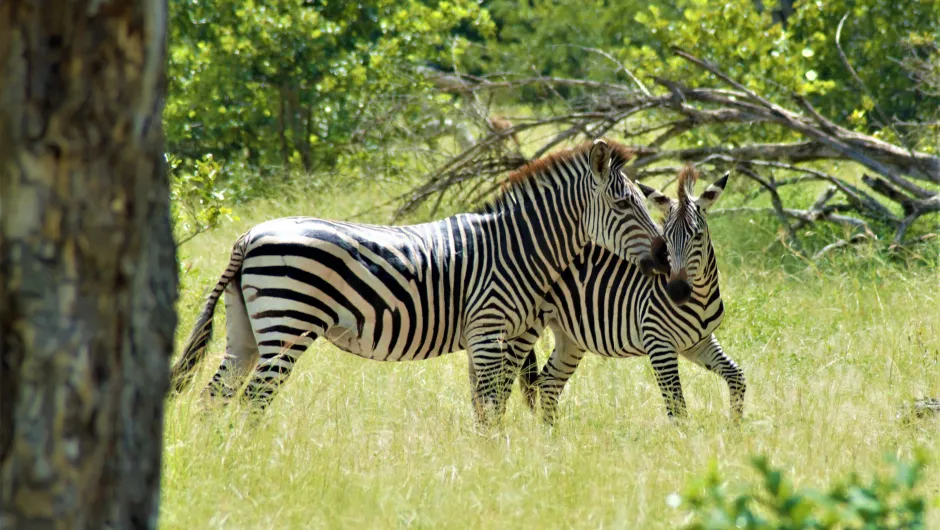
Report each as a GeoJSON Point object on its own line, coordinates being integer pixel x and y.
{"type": "Point", "coordinates": [277, 359]}
{"type": "Point", "coordinates": [557, 371]}
{"type": "Point", "coordinates": [241, 350]}
{"type": "Point", "coordinates": [710, 355]}
{"type": "Point", "coordinates": [523, 347]}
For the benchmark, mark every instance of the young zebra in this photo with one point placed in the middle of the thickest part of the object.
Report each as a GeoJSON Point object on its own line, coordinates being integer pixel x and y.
{"type": "Point", "coordinates": [471, 281]}
{"type": "Point", "coordinates": [604, 305]}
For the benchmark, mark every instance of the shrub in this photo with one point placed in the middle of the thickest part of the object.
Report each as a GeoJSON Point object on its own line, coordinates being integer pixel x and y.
{"type": "Point", "coordinates": [882, 503]}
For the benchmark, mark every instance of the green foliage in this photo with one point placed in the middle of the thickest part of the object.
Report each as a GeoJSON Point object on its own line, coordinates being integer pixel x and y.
{"type": "Point", "coordinates": [197, 202]}
{"type": "Point", "coordinates": [773, 59]}
{"type": "Point", "coordinates": [553, 35]}
{"type": "Point", "coordinates": [883, 503]}
{"type": "Point", "coordinates": [291, 84]}
{"type": "Point", "coordinates": [876, 37]}
{"type": "Point", "coordinates": [744, 42]}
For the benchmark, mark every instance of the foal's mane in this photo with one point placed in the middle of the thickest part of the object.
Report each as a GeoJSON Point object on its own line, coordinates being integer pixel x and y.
{"type": "Point", "coordinates": [686, 186]}
{"type": "Point", "coordinates": [534, 169]}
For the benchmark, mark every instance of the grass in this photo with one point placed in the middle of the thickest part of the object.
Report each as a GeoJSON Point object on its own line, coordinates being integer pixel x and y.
{"type": "Point", "coordinates": [831, 353]}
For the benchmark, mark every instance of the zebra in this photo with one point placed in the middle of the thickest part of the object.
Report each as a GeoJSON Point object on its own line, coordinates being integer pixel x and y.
{"type": "Point", "coordinates": [471, 281]}
{"type": "Point", "coordinates": [655, 316]}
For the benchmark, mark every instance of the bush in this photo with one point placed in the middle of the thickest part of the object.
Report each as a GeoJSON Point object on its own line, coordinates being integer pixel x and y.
{"type": "Point", "coordinates": [197, 202]}
{"type": "Point", "coordinates": [883, 503]}
{"type": "Point", "coordinates": [296, 84]}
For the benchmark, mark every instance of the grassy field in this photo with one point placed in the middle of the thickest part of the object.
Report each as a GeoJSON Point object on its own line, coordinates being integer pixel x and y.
{"type": "Point", "coordinates": [831, 352]}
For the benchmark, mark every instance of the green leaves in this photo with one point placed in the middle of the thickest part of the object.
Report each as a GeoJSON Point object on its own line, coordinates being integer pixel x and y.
{"type": "Point", "coordinates": [883, 503]}
{"type": "Point", "coordinates": [283, 83]}
{"type": "Point", "coordinates": [197, 201]}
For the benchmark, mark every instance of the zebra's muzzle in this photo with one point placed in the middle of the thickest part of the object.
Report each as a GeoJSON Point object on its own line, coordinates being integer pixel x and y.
{"type": "Point", "coordinates": [679, 290]}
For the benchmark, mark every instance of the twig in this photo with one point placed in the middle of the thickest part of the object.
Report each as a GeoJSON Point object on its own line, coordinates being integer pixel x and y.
{"type": "Point", "coordinates": [476, 172]}
{"type": "Point", "coordinates": [857, 196]}
{"type": "Point", "coordinates": [919, 208]}
{"type": "Point", "coordinates": [623, 67]}
{"type": "Point", "coordinates": [797, 214]}
{"type": "Point", "coordinates": [857, 238]}
{"type": "Point", "coordinates": [858, 80]}
{"type": "Point", "coordinates": [777, 204]}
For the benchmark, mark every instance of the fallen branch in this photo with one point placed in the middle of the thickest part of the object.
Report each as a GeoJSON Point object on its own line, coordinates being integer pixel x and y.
{"type": "Point", "coordinates": [901, 176]}
{"type": "Point", "coordinates": [802, 215]}
{"type": "Point", "coordinates": [857, 238]}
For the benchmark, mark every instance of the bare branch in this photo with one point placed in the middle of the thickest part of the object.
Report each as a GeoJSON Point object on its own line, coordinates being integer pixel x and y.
{"type": "Point", "coordinates": [777, 204]}
{"type": "Point", "coordinates": [623, 67]}
{"type": "Point", "coordinates": [802, 215]}
{"type": "Point", "coordinates": [600, 107]}
{"type": "Point", "coordinates": [857, 238]}
{"type": "Point", "coordinates": [858, 80]}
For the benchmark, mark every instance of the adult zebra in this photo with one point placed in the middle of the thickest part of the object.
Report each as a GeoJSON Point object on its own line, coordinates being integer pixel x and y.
{"type": "Point", "coordinates": [471, 281]}
{"type": "Point", "coordinates": [656, 316]}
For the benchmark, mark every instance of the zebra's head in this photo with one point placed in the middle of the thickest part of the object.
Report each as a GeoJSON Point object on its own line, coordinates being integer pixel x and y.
{"type": "Point", "coordinates": [685, 231]}
{"type": "Point", "coordinates": [616, 216]}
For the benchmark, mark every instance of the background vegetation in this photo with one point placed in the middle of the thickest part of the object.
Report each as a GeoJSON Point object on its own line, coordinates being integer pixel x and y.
{"type": "Point", "coordinates": [282, 107]}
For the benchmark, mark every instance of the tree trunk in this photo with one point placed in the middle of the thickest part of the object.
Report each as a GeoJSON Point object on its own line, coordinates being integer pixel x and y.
{"type": "Point", "coordinates": [282, 126]}
{"type": "Point", "coordinates": [87, 263]}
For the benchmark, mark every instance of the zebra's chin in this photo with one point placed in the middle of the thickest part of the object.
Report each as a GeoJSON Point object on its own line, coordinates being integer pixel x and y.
{"type": "Point", "coordinates": [679, 291]}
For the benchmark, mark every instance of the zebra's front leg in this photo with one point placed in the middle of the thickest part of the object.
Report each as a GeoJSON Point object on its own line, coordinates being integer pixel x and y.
{"type": "Point", "coordinates": [665, 363]}
{"type": "Point", "coordinates": [493, 368]}
{"type": "Point", "coordinates": [708, 353]}
{"type": "Point", "coordinates": [560, 367]}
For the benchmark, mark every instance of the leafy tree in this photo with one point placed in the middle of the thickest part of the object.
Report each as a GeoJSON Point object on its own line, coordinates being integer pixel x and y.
{"type": "Point", "coordinates": [291, 84]}
{"type": "Point", "coordinates": [746, 40]}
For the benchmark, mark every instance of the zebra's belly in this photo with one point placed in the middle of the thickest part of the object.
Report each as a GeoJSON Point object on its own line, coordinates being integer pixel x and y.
{"type": "Point", "coordinates": [350, 340]}
{"type": "Point", "coordinates": [604, 341]}
{"type": "Point", "coordinates": [615, 349]}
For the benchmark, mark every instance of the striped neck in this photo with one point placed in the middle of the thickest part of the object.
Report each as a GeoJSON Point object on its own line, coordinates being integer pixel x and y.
{"type": "Point", "coordinates": [545, 211]}
{"type": "Point", "coordinates": [706, 284]}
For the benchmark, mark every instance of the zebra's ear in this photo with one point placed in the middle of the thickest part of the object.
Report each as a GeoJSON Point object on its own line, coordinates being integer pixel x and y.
{"type": "Point", "coordinates": [600, 160]}
{"type": "Point", "coordinates": [712, 193]}
{"type": "Point", "coordinates": [656, 198]}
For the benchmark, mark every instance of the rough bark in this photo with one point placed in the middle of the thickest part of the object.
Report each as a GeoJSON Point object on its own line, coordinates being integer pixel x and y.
{"type": "Point", "coordinates": [87, 263]}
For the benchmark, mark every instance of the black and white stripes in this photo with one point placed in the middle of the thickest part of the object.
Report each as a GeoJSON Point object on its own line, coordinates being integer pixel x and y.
{"type": "Point", "coordinates": [604, 305]}
{"type": "Point", "coordinates": [471, 281]}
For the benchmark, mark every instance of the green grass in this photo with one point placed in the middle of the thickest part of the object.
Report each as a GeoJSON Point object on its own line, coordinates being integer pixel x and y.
{"type": "Point", "coordinates": [831, 353]}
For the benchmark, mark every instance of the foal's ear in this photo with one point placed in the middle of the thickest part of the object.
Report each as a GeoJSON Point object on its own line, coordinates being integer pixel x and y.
{"type": "Point", "coordinates": [600, 160]}
{"type": "Point", "coordinates": [712, 193]}
{"type": "Point", "coordinates": [656, 198]}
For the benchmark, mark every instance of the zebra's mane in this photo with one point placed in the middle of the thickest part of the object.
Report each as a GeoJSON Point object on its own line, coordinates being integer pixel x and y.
{"type": "Point", "coordinates": [686, 187]}
{"type": "Point", "coordinates": [537, 169]}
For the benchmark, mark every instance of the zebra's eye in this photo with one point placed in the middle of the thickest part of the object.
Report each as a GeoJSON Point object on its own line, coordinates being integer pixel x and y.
{"type": "Point", "coordinates": [622, 203]}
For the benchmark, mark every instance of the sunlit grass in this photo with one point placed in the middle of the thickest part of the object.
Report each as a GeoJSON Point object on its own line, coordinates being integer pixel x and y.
{"type": "Point", "coordinates": [830, 356]}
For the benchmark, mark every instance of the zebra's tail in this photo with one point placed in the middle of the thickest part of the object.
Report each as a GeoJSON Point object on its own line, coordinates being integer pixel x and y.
{"type": "Point", "coordinates": [195, 350]}
{"type": "Point", "coordinates": [528, 378]}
